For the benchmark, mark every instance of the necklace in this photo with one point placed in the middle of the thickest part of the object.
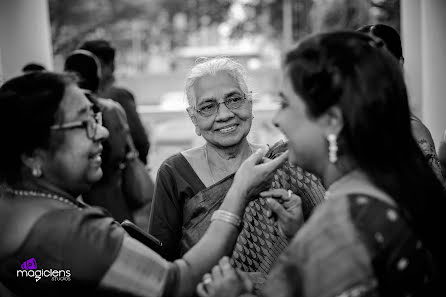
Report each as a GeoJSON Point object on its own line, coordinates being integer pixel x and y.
{"type": "Point", "coordinates": [209, 165]}
{"type": "Point", "coordinates": [36, 194]}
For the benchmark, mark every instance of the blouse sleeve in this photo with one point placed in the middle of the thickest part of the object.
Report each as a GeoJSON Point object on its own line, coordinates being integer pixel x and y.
{"type": "Point", "coordinates": [139, 271]}
{"type": "Point", "coordinates": [166, 215]}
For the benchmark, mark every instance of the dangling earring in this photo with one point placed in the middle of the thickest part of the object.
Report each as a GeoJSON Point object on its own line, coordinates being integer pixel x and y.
{"type": "Point", "coordinates": [332, 148]}
{"type": "Point", "coordinates": [37, 172]}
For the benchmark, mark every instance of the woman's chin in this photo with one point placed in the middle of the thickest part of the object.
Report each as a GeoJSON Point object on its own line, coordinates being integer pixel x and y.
{"type": "Point", "coordinates": [95, 175]}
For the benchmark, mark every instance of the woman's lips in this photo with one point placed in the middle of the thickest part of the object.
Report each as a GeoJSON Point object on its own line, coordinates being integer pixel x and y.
{"type": "Point", "coordinates": [228, 129]}
{"type": "Point", "coordinates": [96, 159]}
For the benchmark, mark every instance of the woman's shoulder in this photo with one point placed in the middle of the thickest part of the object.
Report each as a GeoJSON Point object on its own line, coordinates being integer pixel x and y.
{"type": "Point", "coordinates": [173, 161]}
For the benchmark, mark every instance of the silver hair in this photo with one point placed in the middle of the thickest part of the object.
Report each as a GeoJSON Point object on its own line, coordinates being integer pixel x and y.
{"type": "Point", "coordinates": [212, 67]}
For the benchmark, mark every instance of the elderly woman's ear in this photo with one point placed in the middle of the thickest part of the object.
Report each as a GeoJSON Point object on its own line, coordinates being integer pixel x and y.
{"type": "Point", "coordinates": [193, 118]}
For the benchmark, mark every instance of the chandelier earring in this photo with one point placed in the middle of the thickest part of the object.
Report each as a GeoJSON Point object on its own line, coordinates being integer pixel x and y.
{"type": "Point", "coordinates": [332, 148]}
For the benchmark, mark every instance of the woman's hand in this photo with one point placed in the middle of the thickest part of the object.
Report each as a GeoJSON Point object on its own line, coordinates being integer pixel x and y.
{"type": "Point", "coordinates": [256, 172]}
{"type": "Point", "coordinates": [224, 281]}
{"type": "Point", "coordinates": [286, 207]}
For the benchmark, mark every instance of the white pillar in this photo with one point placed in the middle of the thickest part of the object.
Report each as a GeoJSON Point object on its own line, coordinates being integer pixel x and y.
{"type": "Point", "coordinates": [411, 40]}
{"type": "Point", "coordinates": [25, 35]}
{"type": "Point", "coordinates": [433, 40]}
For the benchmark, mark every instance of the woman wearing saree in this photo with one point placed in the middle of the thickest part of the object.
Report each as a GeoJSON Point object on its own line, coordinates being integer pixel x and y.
{"type": "Point", "coordinates": [392, 41]}
{"type": "Point", "coordinates": [344, 106]}
{"type": "Point", "coordinates": [53, 244]}
{"type": "Point", "coordinates": [190, 185]}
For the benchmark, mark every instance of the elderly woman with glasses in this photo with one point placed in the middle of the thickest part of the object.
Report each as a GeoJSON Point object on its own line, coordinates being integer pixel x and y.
{"type": "Point", "coordinates": [191, 184]}
{"type": "Point", "coordinates": [53, 244]}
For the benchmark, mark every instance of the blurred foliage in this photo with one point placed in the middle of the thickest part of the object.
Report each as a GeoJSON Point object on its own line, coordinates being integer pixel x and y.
{"type": "Point", "coordinates": [139, 28]}
{"type": "Point", "coordinates": [72, 20]}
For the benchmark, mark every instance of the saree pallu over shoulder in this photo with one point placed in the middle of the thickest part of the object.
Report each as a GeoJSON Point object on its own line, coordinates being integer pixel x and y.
{"type": "Point", "coordinates": [259, 243]}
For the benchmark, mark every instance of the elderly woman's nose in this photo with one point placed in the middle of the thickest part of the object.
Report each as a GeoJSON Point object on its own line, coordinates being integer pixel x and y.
{"type": "Point", "coordinates": [224, 112]}
{"type": "Point", "coordinates": [102, 133]}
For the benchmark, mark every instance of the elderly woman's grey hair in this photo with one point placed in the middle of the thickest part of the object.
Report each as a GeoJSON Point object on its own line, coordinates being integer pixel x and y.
{"type": "Point", "coordinates": [212, 67]}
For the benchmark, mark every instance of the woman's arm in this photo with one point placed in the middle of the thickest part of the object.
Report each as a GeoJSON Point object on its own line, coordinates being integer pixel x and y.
{"type": "Point", "coordinates": [221, 236]}
{"type": "Point", "coordinates": [141, 272]}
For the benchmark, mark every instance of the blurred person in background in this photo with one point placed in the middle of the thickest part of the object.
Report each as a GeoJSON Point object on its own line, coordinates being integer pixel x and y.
{"type": "Point", "coordinates": [191, 184]}
{"type": "Point", "coordinates": [442, 154]}
{"type": "Point", "coordinates": [54, 155]}
{"type": "Point", "coordinates": [107, 89]}
{"type": "Point", "coordinates": [422, 135]}
{"type": "Point", "coordinates": [30, 67]}
{"type": "Point", "coordinates": [107, 192]}
{"type": "Point", "coordinates": [344, 111]}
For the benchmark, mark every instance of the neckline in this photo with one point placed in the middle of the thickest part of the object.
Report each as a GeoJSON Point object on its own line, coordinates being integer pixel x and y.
{"type": "Point", "coordinates": [209, 164]}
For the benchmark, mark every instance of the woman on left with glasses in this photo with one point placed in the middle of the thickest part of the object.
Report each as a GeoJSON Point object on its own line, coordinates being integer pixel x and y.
{"type": "Point", "coordinates": [51, 158]}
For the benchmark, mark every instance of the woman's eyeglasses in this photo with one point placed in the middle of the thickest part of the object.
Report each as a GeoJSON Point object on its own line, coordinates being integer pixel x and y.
{"type": "Point", "coordinates": [233, 102]}
{"type": "Point", "coordinates": [90, 125]}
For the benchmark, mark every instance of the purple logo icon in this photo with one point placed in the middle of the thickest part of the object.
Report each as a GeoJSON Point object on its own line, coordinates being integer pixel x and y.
{"type": "Point", "coordinates": [29, 264]}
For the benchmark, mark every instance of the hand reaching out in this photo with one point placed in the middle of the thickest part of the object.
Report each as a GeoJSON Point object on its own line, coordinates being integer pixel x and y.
{"type": "Point", "coordinates": [256, 173]}
{"type": "Point", "coordinates": [224, 281]}
{"type": "Point", "coordinates": [286, 208]}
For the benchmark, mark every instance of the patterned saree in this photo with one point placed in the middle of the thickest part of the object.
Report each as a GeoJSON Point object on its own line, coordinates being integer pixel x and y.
{"type": "Point", "coordinates": [259, 243]}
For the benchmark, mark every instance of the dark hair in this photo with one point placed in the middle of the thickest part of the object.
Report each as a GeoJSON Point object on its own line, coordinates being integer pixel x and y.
{"type": "Point", "coordinates": [101, 48]}
{"type": "Point", "coordinates": [388, 35]}
{"type": "Point", "coordinates": [87, 67]}
{"type": "Point", "coordinates": [351, 70]}
{"type": "Point", "coordinates": [32, 67]}
{"type": "Point", "coordinates": [29, 105]}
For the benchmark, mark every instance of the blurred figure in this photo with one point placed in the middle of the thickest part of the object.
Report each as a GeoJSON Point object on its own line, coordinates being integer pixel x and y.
{"type": "Point", "coordinates": [30, 67]}
{"type": "Point", "coordinates": [442, 154]}
{"type": "Point", "coordinates": [106, 54]}
{"type": "Point", "coordinates": [345, 111]}
{"type": "Point", "coordinates": [422, 135]}
{"type": "Point", "coordinates": [107, 192]}
{"type": "Point", "coordinates": [53, 156]}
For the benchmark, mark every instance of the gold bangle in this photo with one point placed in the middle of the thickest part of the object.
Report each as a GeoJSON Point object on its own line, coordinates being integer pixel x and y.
{"type": "Point", "coordinates": [226, 216]}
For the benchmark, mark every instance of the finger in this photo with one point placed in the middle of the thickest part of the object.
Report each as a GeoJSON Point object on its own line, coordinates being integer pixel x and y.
{"type": "Point", "coordinates": [256, 157]}
{"type": "Point", "coordinates": [280, 193]}
{"type": "Point", "coordinates": [278, 209]}
{"type": "Point", "coordinates": [247, 282]}
{"type": "Point", "coordinates": [265, 160]}
{"type": "Point", "coordinates": [294, 201]}
{"type": "Point", "coordinates": [201, 290]}
{"type": "Point", "coordinates": [225, 266]}
{"type": "Point", "coordinates": [216, 272]}
{"type": "Point", "coordinates": [275, 163]}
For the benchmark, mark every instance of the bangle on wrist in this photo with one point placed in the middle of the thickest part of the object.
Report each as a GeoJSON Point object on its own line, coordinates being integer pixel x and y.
{"type": "Point", "coordinates": [228, 217]}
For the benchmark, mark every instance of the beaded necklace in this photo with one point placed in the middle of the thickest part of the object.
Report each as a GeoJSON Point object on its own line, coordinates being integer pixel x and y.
{"type": "Point", "coordinates": [36, 194]}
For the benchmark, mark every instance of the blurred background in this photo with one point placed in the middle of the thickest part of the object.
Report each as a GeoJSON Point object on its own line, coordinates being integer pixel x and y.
{"type": "Point", "coordinates": [158, 41]}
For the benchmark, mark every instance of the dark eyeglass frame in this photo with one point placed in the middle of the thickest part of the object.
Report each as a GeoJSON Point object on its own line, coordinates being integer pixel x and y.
{"type": "Point", "coordinates": [90, 125]}
{"type": "Point", "coordinates": [226, 102]}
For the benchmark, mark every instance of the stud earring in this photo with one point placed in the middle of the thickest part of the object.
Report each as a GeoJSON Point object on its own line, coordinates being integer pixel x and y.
{"type": "Point", "coordinates": [332, 148]}
{"type": "Point", "coordinates": [36, 172]}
